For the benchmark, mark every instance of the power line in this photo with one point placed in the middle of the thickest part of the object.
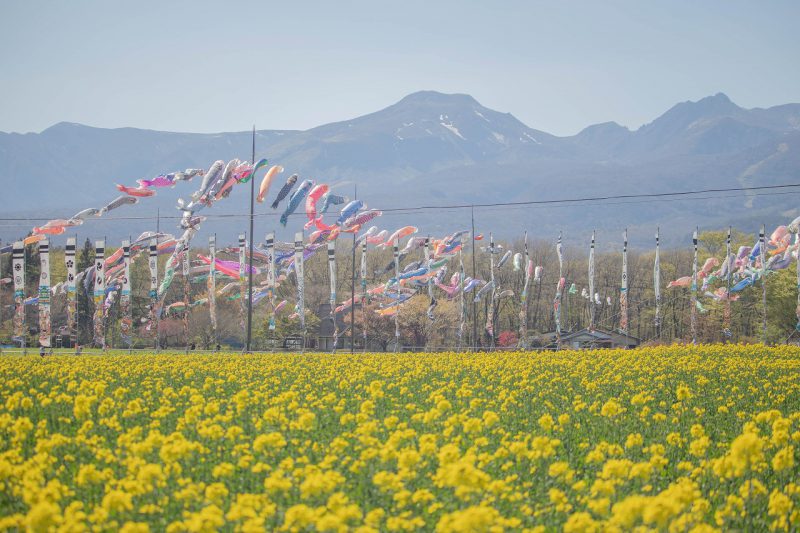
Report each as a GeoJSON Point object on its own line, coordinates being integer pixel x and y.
{"type": "Point", "coordinates": [671, 196]}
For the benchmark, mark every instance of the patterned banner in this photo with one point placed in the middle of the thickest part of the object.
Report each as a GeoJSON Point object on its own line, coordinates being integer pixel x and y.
{"type": "Point", "coordinates": [693, 316]}
{"type": "Point", "coordinates": [126, 318]}
{"type": "Point", "coordinates": [18, 265]}
{"type": "Point", "coordinates": [364, 295]}
{"type": "Point", "coordinates": [300, 274]}
{"type": "Point", "coordinates": [332, 299]}
{"type": "Point", "coordinates": [559, 288]}
{"type": "Point", "coordinates": [762, 239]}
{"type": "Point", "coordinates": [72, 302]}
{"type": "Point", "coordinates": [242, 282]}
{"type": "Point", "coordinates": [186, 294]}
{"type": "Point", "coordinates": [797, 251]}
{"type": "Point", "coordinates": [726, 313]}
{"type": "Point", "coordinates": [211, 285]}
{"type": "Point", "coordinates": [271, 278]}
{"type": "Point", "coordinates": [99, 293]}
{"type": "Point", "coordinates": [523, 311]}
{"type": "Point", "coordinates": [462, 310]}
{"type": "Point", "coordinates": [396, 256]}
{"type": "Point", "coordinates": [657, 286]}
{"type": "Point", "coordinates": [154, 310]}
{"type": "Point", "coordinates": [591, 284]}
{"type": "Point", "coordinates": [44, 293]}
{"type": "Point", "coordinates": [490, 313]}
{"type": "Point", "coordinates": [431, 298]}
{"type": "Point", "coordinates": [623, 291]}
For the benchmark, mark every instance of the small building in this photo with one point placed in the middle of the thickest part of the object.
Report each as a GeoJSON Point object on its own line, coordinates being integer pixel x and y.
{"type": "Point", "coordinates": [325, 333]}
{"type": "Point", "coordinates": [598, 338]}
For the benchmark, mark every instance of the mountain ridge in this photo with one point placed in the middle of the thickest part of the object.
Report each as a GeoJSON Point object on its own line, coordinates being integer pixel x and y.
{"type": "Point", "coordinates": [442, 146]}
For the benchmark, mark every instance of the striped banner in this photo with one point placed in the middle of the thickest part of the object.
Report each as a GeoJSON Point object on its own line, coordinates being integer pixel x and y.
{"type": "Point", "coordinates": [99, 293]}
{"type": "Point", "coordinates": [72, 302]}
{"type": "Point", "coordinates": [126, 319]}
{"type": "Point", "coordinates": [44, 293]}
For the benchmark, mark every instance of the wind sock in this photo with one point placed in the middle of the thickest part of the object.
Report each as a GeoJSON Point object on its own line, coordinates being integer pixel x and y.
{"type": "Point", "coordinates": [295, 200]}
{"type": "Point", "coordinates": [44, 293]}
{"type": "Point", "coordinates": [185, 271]}
{"type": "Point", "coordinates": [126, 320]}
{"type": "Point", "coordinates": [329, 199]}
{"type": "Point", "coordinates": [490, 312]}
{"type": "Point", "coordinates": [69, 263]}
{"type": "Point", "coordinates": [591, 284]}
{"type": "Point", "coordinates": [523, 310]}
{"type": "Point", "coordinates": [657, 286]}
{"type": "Point", "coordinates": [266, 183]}
{"type": "Point", "coordinates": [211, 285]}
{"type": "Point", "coordinates": [299, 272]}
{"type": "Point", "coordinates": [623, 291]}
{"type": "Point", "coordinates": [271, 278]}
{"type": "Point", "coordinates": [154, 310]}
{"type": "Point", "coordinates": [396, 255]}
{"type": "Point", "coordinates": [559, 287]}
{"type": "Point", "coordinates": [99, 293]}
{"type": "Point", "coordinates": [694, 290]}
{"type": "Point", "coordinates": [242, 281]}
{"type": "Point", "coordinates": [311, 203]}
{"type": "Point", "coordinates": [726, 318]}
{"type": "Point", "coordinates": [18, 264]}
{"type": "Point", "coordinates": [285, 190]}
{"type": "Point", "coordinates": [332, 300]}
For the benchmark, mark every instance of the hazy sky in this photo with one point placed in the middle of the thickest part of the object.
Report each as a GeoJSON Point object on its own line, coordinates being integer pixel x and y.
{"type": "Point", "coordinates": [558, 66]}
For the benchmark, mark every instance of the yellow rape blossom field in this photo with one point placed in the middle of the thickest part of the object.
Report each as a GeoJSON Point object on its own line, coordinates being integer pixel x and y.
{"type": "Point", "coordinates": [672, 438]}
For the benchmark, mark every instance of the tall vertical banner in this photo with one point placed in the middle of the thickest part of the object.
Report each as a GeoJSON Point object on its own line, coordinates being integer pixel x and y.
{"type": "Point", "coordinates": [591, 284]}
{"type": "Point", "coordinates": [126, 319]}
{"type": "Point", "coordinates": [797, 267]}
{"type": "Point", "coordinates": [44, 293]}
{"type": "Point", "coordinates": [623, 290]}
{"type": "Point", "coordinates": [363, 275]}
{"type": "Point", "coordinates": [490, 312]}
{"type": "Point", "coordinates": [211, 285]}
{"type": "Point", "coordinates": [154, 311]}
{"type": "Point", "coordinates": [186, 294]}
{"type": "Point", "coordinates": [332, 299]}
{"type": "Point", "coordinates": [523, 310]}
{"type": "Point", "coordinates": [396, 255]}
{"type": "Point", "coordinates": [300, 273]}
{"type": "Point", "coordinates": [657, 286]}
{"type": "Point", "coordinates": [462, 310]}
{"type": "Point", "coordinates": [242, 281]}
{"type": "Point", "coordinates": [18, 265]}
{"type": "Point", "coordinates": [693, 316]}
{"type": "Point", "coordinates": [762, 240]}
{"type": "Point", "coordinates": [72, 302]}
{"type": "Point", "coordinates": [271, 278]}
{"type": "Point", "coordinates": [559, 286]}
{"type": "Point", "coordinates": [99, 293]}
{"type": "Point", "coordinates": [432, 299]}
{"type": "Point", "coordinates": [728, 264]}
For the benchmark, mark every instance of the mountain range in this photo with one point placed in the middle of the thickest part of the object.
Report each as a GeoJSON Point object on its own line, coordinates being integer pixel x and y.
{"type": "Point", "coordinates": [434, 149]}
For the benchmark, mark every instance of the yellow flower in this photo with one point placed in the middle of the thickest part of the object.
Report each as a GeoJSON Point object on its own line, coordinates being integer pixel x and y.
{"type": "Point", "coordinates": [44, 516]}
{"type": "Point", "coordinates": [611, 408]}
{"type": "Point", "coordinates": [784, 459]}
